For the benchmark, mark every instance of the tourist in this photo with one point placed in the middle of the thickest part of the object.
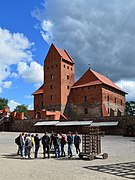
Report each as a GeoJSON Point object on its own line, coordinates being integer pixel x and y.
{"type": "Point", "coordinates": [70, 142]}
{"type": "Point", "coordinates": [77, 141]}
{"type": "Point", "coordinates": [63, 142]}
{"type": "Point", "coordinates": [46, 145]}
{"type": "Point", "coordinates": [33, 143]}
{"type": "Point", "coordinates": [52, 139]}
{"type": "Point", "coordinates": [56, 143]}
{"type": "Point", "coordinates": [28, 144]}
{"type": "Point", "coordinates": [22, 144]}
{"type": "Point", "coordinates": [37, 145]}
{"type": "Point", "coordinates": [17, 141]}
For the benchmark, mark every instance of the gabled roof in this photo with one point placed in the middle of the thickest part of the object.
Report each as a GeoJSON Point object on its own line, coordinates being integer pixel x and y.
{"type": "Point", "coordinates": [92, 77]}
{"type": "Point", "coordinates": [39, 91]}
{"type": "Point", "coordinates": [64, 54]}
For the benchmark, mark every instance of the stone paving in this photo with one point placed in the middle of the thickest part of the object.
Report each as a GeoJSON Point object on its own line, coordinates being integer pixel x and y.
{"type": "Point", "coordinates": [119, 165]}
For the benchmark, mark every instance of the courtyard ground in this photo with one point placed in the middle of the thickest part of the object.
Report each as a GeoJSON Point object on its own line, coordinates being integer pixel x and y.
{"type": "Point", "coordinates": [119, 165]}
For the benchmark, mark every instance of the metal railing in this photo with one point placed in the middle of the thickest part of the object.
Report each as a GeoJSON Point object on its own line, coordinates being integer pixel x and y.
{"type": "Point", "coordinates": [2, 120]}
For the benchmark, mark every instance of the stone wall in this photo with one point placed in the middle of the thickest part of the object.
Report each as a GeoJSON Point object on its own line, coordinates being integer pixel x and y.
{"type": "Point", "coordinates": [126, 126]}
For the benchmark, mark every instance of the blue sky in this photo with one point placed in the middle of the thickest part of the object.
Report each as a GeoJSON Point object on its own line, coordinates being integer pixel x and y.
{"type": "Point", "coordinates": [95, 32]}
{"type": "Point", "coordinates": [15, 17]}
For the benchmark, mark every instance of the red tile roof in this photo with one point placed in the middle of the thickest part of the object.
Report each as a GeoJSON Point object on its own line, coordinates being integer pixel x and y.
{"type": "Point", "coordinates": [92, 77]}
{"type": "Point", "coordinates": [39, 91]}
{"type": "Point", "coordinates": [64, 54]}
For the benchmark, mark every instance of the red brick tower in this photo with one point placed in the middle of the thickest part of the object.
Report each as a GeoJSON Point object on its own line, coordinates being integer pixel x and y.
{"type": "Point", "coordinates": [58, 79]}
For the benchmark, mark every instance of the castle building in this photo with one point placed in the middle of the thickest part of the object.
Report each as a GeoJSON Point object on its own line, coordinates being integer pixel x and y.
{"type": "Point", "coordinates": [60, 97]}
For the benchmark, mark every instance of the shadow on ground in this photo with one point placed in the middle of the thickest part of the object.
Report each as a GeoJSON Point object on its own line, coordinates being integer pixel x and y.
{"type": "Point", "coordinates": [125, 170]}
{"type": "Point", "coordinates": [12, 156]}
{"type": "Point", "coordinates": [15, 156]}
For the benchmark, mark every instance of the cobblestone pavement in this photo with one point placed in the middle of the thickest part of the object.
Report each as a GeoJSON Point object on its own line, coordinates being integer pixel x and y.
{"type": "Point", "coordinates": [119, 165]}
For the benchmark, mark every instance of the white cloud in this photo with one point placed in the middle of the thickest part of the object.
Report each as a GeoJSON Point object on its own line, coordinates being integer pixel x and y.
{"type": "Point", "coordinates": [128, 87]}
{"type": "Point", "coordinates": [46, 31]}
{"type": "Point", "coordinates": [7, 84]}
{"type": "Point", "coordinates": [30, 107]}
{"type": "Point", "coordinates": [0, 89]}
{"type": "Point", "coordinates": [15, 49]}
{"type": "Point", "coordinates": [14, 75]}
{"type": "Point", "coordinates": [100, 33]}
{"type": "Point", "coordinates": [31, 73]}
{"type": "Point", "coordinates": [28, 97]}
{"type": "Point", "coordinates": [12, 105]}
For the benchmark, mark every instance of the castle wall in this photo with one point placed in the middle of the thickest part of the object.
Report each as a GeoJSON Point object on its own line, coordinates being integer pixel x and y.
{"type": "Point", "coordinates": [125, 122]}
{"type": "Point", "coordinates": [84, 102]}
{"type": "Point", "coordinates": [114, 102]}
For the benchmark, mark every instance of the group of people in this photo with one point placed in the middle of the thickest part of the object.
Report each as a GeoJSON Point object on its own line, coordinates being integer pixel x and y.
{"type": "Point", "coordinates": [56, 141]}
{"type": "Point", "coordinates": [26, 144]}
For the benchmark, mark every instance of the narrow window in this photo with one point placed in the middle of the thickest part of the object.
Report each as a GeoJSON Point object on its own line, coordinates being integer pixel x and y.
{"type": "Point", "coordinates": [51, 76]}
{"type": "Point", "coordinates": [67, 67]}
{"type": "Point", "coordinates": [85, 111]}
{"type": "Point", "coordinates": [71, 69]}
{"type": "Point", "coordinates": [67, 76]}
{"type": "Point", "coordinates": [107, 98]}
{"type": "Point", "coordinates": [115, 100]}
{"type": "Point", "coordinates": [64, 66]}
{"type": "Point", "coordinates": [51, 97]}
{"type": "Point", "coordinates": [121, 102]}
{"type": "Point", "coordinates": [67, 87]}
{"type": "Point", "coordinates": [51, 87]}
{"type": "Point", "coordinates": [85, 98]}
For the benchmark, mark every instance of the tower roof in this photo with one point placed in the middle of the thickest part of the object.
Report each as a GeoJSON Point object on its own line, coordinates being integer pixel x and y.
{"type": "Point", "coordinates": [92, 77]}
{"type": "Point", "coordinates": [64, 54]}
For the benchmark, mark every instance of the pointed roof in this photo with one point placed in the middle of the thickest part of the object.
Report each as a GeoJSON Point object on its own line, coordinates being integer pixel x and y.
{"type": "Point", "coordinates": [39, 91]}
{"type": "Point", "coordinates": [64, 54]}
{"type": "Point", "coordinates": [92, 77]}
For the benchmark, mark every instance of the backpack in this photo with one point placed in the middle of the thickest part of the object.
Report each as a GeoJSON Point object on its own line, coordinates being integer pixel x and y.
{"type": "Point", "coordinates": [45, 140]}
{"type": "Point", "coordinates": [17, 140]}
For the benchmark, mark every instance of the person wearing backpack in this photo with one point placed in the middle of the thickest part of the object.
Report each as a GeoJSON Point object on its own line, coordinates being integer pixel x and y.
{"type": "Point", "coordinates": [46, 145]}
{"type": "Point", "coordinates": [17, 141]}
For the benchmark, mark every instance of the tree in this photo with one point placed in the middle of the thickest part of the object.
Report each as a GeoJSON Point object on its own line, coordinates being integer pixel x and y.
{"type": "Point", "coordinates": [3, 103]}
{"type": "Point", "coordinates": [130, 108]}
{"type": "Point", "coordinates": [22, 108]}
